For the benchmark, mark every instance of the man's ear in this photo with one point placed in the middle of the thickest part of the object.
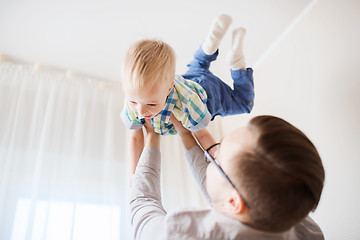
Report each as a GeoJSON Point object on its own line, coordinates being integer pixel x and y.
{"type": "Point", "coordinates": [236, 203]}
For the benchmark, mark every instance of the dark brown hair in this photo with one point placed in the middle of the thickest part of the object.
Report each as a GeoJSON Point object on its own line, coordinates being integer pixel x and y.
{"type": "Point", "coordinates": [282, 176]}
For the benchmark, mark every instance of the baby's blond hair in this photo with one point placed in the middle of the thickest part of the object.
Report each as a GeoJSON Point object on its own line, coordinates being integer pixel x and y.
{"type": "Point", "coordinates": [146, 63]}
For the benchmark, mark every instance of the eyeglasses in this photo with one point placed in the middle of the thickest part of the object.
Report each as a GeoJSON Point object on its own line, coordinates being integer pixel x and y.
{"type": "Point", "coordinates": [209, 158]}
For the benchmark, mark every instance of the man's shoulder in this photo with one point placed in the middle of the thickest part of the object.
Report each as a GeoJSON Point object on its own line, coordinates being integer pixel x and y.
{"type": "Point", "coordinates": [210, 224]}
{"type": "Point", "coordinates": [308, 229]}
{"type": "Point", "coordinates": [204, 223]}
{"type": "Point", "coordinates": [191, 213]}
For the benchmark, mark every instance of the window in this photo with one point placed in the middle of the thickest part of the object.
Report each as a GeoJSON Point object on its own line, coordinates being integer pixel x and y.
{"type": "Point", "coordinates": [65, 221]}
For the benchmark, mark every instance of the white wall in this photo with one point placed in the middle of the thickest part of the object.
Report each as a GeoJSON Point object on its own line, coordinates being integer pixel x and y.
{"type": "Point", "coordinates": [311, 78]}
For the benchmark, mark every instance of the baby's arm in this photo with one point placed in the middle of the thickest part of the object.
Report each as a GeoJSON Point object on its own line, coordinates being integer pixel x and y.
{"type": "Point", "coordinates": [205, 139]}
{"type": "Point", "coordinates": [136, 145]}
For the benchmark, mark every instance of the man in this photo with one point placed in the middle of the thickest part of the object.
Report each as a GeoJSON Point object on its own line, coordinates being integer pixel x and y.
{"type": "Point", "coordinates": [264, 180]}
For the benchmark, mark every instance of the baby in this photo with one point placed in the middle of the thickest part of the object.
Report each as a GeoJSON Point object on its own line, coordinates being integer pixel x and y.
{"type": "Point", "coordinates": [153, 90]}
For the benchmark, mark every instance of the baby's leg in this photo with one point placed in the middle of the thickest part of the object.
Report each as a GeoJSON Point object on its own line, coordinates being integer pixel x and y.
{"type": "Point", "coordinates": [243, 90]}
{"type": "Point", "coordinates": [236, 57]}
{"type": "Point", "coordinates": [216, 33]}
{"type": "Point", "coordinates": [208, 50]}
{"type": "Point", "coordinates": [224, 100]}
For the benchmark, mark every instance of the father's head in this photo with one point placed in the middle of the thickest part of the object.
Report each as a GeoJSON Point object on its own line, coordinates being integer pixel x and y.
{"type": "Point", "coordinates": [276, 171]}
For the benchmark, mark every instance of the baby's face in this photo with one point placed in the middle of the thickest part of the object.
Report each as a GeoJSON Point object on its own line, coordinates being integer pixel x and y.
{"type": "Point", "coordinates": [150, 102]}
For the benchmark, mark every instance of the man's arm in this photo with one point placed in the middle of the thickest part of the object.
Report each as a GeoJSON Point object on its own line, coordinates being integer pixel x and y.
{"type": "Point", "coordinates": [186, 136]}
{"type": "Point", "coordinates": [136, 137]}
{"type": "Point", "coordinates": [205, 139]}
{"type": "Point", "coordinates": [194, 156]}
{"type": "Point", "coordinates": [147, 212]}
{"type": "Point", "coordinates": [136, 145]}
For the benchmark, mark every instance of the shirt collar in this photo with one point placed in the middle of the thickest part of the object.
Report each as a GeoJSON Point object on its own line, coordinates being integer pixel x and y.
{"type": "Point", "coordinates": [164, 115]}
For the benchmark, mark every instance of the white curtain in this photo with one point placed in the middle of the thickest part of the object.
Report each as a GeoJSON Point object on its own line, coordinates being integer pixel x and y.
{"type": "Point", "coordinates": [62, 151]}
{"type": "Point", "coordinates": [63, 168]}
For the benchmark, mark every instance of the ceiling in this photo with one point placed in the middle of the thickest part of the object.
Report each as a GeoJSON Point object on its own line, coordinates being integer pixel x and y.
{"type": "Point", "coordinates": [90, 37]}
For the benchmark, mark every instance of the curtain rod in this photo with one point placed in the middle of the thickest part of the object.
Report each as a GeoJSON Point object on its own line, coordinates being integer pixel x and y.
{"type": "Point", "coordinates": [37, 67]}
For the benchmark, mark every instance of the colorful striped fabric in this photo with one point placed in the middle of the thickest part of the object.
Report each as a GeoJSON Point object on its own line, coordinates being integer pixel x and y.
{"type": "Point", "coordinates": [187, 101]}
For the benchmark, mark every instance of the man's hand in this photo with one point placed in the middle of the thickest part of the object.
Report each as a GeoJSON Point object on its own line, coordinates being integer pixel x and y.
{"type": "Point", "coordinates": [186, 136]}
{"type": "Point", "coordinates": [148, 127]}
{"type": "Point", "coordinates": [178, 125]}
{"type": "Point", "coordinates": [152, 138]}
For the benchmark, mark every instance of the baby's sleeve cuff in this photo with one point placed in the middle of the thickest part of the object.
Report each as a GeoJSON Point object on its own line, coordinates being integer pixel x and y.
{"type": "Point", "coordinates": [202, 124]}
{"type": "Point", "coordinates": [129, 124]}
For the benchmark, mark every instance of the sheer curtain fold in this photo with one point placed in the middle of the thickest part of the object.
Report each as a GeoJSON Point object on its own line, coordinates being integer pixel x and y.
{"type": "Point", "coordinates": [63, 158]}
{"type": "Point", "coordinates": [62, 149]}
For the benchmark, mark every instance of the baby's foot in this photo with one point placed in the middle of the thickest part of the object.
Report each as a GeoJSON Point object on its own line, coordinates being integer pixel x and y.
{"type": "Point", "coordinates": [216, 33]}
{"type": "Point", "coordinates": [236, 57]}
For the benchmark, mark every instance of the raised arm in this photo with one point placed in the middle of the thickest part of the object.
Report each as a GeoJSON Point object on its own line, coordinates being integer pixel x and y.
{"type": "Point", "coordinates": [152, 138]}
{"type": "Point", "coordinates": [194, 156]}
{"type": "Point", "coordinates": [136, 145]}
{"type": "Point", "coordinates": [186, 136]}
{"type": "Point", "coordinates": [147, 212]}
{"type": "Point", "coordinates": [205, 139]}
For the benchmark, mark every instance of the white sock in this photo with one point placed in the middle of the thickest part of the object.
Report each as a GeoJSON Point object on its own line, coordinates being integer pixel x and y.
{"type": "Point", "coordinates": [216, 33]}
{"type": "Point", "coordinates": [236, 57]}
